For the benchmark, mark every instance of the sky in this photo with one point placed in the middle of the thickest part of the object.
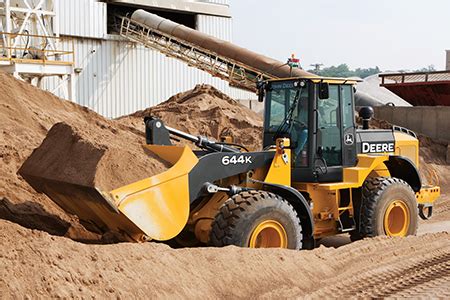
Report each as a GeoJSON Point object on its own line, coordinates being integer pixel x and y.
{"type": "Point", "coordinates": [390, 34]}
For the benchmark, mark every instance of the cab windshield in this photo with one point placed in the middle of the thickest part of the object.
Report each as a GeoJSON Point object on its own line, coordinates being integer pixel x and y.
{"type": "Point", "coordinates": [288, 116]}
{"type": "Point", "coordinates": [281, 97]}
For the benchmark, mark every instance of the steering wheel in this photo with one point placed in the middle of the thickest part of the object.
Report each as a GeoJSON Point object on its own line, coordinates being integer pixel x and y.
{"type": "Point", "coordinates": [273, 128]}
{"type": "Point", "coordinates": [298, 124]}
{"type": "Point", "coordinates": [321, 167]}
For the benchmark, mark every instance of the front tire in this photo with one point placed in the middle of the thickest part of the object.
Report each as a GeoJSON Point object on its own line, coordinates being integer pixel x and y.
{"type": "Point", "coordinates": [257, 219]}
{"type": "Point", "coordinates": [388, 208]}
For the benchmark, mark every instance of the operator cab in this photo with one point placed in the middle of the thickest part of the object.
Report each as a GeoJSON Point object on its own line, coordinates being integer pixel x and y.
{"type": "Point", "coordinates": [317, 114]}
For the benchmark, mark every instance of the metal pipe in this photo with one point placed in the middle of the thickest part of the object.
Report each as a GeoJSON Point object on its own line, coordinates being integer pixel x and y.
{"type": "Point", "coordinates": [221, 47]}
{"type": "Point", "coordinates": [202, 141]}
{"type": "Point", "coordinates": [182, 134]}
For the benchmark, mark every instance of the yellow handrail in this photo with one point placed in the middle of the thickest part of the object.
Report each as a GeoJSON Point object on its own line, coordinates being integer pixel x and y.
{"type": "Point", "coordinates": [15, 50]}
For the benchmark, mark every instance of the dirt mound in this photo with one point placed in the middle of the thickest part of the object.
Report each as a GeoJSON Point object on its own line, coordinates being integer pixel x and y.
{"type": "Point", "coordinates": [435, 170]}
{"type": "Point", "coordinates": [27, 113]}
{"type": "Point", "coordinates": [87, 149]}
{"type": "Point", "coordinates": [102, 156]}
{"type": "Point", "coordinates": [206, 111]}
{"type": "Point", "coordinates": [68, 269]}
{"type": "Point", "coordinates": [433, 154]}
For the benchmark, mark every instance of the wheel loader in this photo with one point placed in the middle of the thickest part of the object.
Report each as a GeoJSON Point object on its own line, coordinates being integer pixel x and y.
{"type": "Point", "coordinates": [317, 174]}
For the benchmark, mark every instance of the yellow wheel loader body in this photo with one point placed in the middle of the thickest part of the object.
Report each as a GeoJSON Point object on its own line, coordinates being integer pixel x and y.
{"type": "Point", "coordinates": [323, 181]}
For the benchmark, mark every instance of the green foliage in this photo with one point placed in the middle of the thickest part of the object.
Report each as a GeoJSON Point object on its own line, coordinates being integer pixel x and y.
{"type": "Point", "coordinates": [430, 68]}
{"type": "Point", "coordinates": [343, 71]}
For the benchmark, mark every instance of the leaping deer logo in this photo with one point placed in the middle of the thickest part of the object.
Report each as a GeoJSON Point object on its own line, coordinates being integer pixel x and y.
{"type": "Point", "coordinates": [348, 139]}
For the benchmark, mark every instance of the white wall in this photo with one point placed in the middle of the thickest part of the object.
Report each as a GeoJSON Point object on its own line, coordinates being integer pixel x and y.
{"type": "Point", "coordinates": [216, 26]}
{"type": "Point", "coordinates": [84, 18]}
{"type": "Point", "coordinates": [448, 61]}
{"type": "Point", "coordinates": [118, 77]}
{"type": "Point", "coordinates": [224, 2]}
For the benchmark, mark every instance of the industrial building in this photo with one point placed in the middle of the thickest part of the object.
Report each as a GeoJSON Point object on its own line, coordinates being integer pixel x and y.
{"type": "Point", "coordinates": [91, 64]}
{"type": "Point", "coordinates": [430, 88]}
{"type": "Point", "coordinates": [448, 61]}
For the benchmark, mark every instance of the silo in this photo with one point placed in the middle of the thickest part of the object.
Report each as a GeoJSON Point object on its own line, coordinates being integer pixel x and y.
{"type": "Point", "coordinates": [447, 65]}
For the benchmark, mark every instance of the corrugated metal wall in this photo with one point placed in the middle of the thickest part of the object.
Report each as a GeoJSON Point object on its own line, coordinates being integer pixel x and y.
{"type": "Point", "coordinates": [215, 26]}
{"type": "Point", "coordinates": [119, 78]}
{"type": "Point", "coordinates": [447, 67]}
{"type": "Point", "coordinates": [84, 18]}
{"type": "Point", "coordinates": [224, 2]}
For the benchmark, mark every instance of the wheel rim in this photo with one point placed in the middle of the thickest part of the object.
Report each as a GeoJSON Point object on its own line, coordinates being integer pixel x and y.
{"type": "Point", "coordinates": [268, 234]}
{"type": "Point", "coordinates": [396, 219]}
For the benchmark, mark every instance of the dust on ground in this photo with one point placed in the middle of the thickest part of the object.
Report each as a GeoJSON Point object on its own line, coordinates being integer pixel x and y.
{"type": "Point", "coordinates": [371, 268]}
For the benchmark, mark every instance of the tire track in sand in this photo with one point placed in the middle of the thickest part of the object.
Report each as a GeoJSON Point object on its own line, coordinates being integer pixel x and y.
{"type": "Point", "coordinates": [426, 277]}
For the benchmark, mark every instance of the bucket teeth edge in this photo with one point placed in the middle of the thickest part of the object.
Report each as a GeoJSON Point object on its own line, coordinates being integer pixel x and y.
{"type": "Point", "coordinates": [109, 199]}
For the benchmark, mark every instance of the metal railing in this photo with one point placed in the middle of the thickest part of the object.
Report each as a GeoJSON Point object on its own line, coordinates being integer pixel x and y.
{"type": "Point", "coordinates": [234, 72]}
{"type": "Point", "coordinates": [36, 49]}
{"type": "Point", "coordinates": [416, 77]}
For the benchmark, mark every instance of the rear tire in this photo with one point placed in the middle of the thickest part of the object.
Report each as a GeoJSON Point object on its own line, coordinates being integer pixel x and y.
{"type": "Point", "coordinates": [388, 208]}
{"type": "Point", "coordinates": [257, 219]}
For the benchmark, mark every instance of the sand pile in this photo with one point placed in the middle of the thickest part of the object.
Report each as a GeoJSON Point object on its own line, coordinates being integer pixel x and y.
{"type": "Point", "coordinates": [413, 266]}
{"type": "Point", "coordinates": [26, 114]}
{"type": "Point", "coordinates": [101, 155]}
{"type": "Point", "coordinates": [435, 170]}
{"type": "Point", "coordinates": [206, 111]}
{"type": "Point", "coordinates": [86, 149]}
{"type": "Point", "coordinates": [433, 153]}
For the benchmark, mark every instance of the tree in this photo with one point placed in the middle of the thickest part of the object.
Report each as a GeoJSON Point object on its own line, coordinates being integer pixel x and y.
{"type": "Point", "coordinates": [343, 70]}
{"type": "Point", "coordinates": [430, 68]}
{"type": "Point", "coordinates": [363, 73]}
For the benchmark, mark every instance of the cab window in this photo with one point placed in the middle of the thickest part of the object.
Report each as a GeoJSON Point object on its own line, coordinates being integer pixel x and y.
{"type": "Point", "coordinates": [347, 107]}
{"type": "Point", "coordinates": [277, 107]}
{"type": "Point", "coordinates": [281, 96]}
{"type": "Point", "coordinates": [328, 129]}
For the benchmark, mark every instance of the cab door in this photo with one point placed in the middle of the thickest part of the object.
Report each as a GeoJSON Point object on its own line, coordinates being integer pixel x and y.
{"type": "Point", "coordinates": [349, 149]}
{"type": "Point", "coordinates": [335, 134]}
{"type": "Point", "coordinates": [328, 154]}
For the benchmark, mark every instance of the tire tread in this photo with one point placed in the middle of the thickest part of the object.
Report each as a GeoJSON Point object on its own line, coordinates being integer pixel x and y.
{"type": "Point", "coordinates": [230, 213]}
{"type": "Point", "coordinates": [372, 191]}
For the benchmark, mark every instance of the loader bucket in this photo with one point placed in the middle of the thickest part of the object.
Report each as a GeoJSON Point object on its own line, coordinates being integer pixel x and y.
{"type": "Point", "coordinates": [153, 208]}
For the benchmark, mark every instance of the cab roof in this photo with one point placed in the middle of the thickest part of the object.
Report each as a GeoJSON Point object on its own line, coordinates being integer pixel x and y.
{"type": "Point", "coordinates": [317, 79]}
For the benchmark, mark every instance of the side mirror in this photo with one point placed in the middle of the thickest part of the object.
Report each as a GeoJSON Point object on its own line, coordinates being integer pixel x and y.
{"type": "Point", "coordinates": [261, 95]}
{"type": "Point", "coordinates": [261, 87]}
{"type": "Point", "coordinates": [324, 90]}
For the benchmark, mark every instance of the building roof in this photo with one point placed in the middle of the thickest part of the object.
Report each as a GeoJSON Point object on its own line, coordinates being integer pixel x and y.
{"type": "Point", "coordinates": [199, 7]}
{"type": "Point", "coordinates": [420, 88]}
{"type": "Point", "coordinates": [369, 90]}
